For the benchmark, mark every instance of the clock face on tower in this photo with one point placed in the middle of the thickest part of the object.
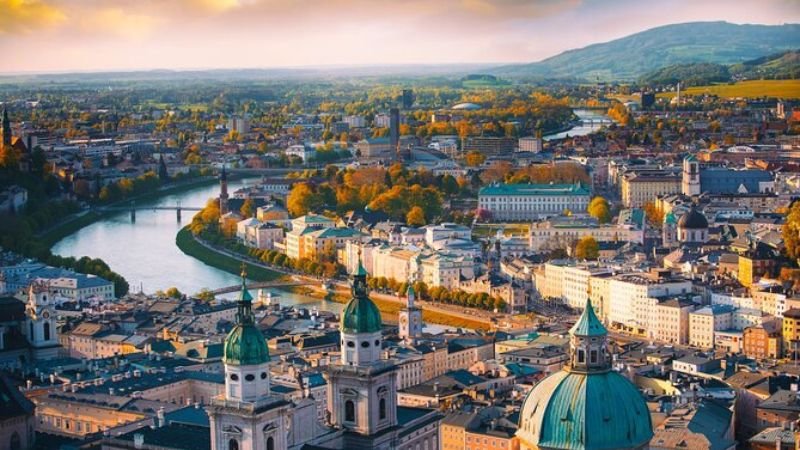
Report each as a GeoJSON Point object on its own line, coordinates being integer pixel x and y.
{"type": "Point", "coordinates": [403, 320]}
{"type": "Point", "coordinates": [46, 315]}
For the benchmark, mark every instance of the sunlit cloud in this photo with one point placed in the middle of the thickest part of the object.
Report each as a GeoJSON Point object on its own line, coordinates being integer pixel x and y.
{"type": "Point", "coordinates": [24, 16]}
{"type": "Point", "coordinates": [118, 22]}
{"type": "Point", "coordinates": [69, 34]}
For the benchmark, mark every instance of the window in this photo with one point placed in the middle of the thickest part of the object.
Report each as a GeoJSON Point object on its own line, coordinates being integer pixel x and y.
{"type": "Point", "coordinates": [581, 356]}
{"type": "Point", "coordinates": [234, 377]}
{"type": "Point", "coordinates": [593, 356]}
{"type": "Point", "coordinates": [249, 377]}
{"type": "Point", "coordinates": [382, 408]}
{"type": "Point", "coordinates": [270, 443]}
{"type": "Point", "coordinates": [16, 442]}
{"type": "Point", "coordinates": [349, 411]}
{"type": "Point", "coordinates": [351, 344]}
{"type": "Point", "coordinates": [365, 344]}
{"type": "Point", "coordinates": [233, 444]}
{"type": "Point", "coordinates": [263, 375]}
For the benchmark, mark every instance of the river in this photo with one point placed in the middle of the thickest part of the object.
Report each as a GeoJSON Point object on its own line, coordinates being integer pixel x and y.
{"type": "Point", "coordinates": [145, 253]}
{"type": "Point", "coordinates": [598, 120]}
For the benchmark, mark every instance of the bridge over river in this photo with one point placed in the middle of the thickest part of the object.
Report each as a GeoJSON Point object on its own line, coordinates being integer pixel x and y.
{"type": "Point", "coordinates": [261, 285]}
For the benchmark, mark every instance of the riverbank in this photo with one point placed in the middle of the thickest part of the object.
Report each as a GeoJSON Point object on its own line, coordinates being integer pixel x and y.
{"type": "Point", "coordinates": [187, 243]}
{"type": "Point", "coordinates": [85, 218]}
{"type": "Point", "coordinates": [391, 308]}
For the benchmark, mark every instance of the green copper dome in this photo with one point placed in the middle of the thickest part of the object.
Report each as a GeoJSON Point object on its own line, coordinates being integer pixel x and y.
{"type": "Point", "coordinates": [360, 315]}
{"type": "Point", "coordinates": [245, 345]}
{"type": "Point", "coordinates": [670, 219]}
{"type": "Point", "coordinates": [579, 411]}
{"type": "Point", "coordinates": [586, 406]}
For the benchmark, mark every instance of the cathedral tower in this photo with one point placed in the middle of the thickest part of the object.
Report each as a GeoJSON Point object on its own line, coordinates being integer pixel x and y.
{"type": "Point", "coordinates": [247, 416]}
{"type": "Point", "coordinates": [41, 322]}
{"type": "Point", "coordinates": [362, 389]}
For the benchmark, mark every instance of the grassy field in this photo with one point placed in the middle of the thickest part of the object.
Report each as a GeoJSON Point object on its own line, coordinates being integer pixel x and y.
{"type": "Point", "coordinates": [185, 241]}
{"type": "Point", "coordinates": [746, 89]}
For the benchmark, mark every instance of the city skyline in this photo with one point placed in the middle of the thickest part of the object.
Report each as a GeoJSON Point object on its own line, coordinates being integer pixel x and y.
{"type": "Point", "coordinates": [227, 34]}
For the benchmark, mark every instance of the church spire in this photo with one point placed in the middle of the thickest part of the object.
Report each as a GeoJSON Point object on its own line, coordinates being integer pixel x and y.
{"type": "Point", "coordinates": [244, 314]}
{"type": "Point", "coordinates": [223, 191]}
{"type": "Point", "coordinates": [6, 129]}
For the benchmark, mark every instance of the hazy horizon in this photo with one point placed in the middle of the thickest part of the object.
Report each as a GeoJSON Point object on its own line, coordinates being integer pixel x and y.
{"type": "Point", "coordinates": [87, 36]}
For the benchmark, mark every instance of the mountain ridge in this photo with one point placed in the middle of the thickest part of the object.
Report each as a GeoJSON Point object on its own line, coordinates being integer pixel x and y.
{"type": "Point", "coordinates": [634, 55]}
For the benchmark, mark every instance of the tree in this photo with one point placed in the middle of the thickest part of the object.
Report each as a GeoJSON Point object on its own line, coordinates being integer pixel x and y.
{"type": "Point", "coordinates": [599, 209]}
{"type": "Point", "coordinates": [655, 215]}
{"type": "Point", "coordinates": [587, 248]}
{"type": "Point", "coordinates": [415, 217]}
{"type": "Point", "coordinates": [205, 295]}
{"type": "Point", "coordinates": [174, 292]}
{"type": "Point", "coordinates": [248, 208]}
{"type": "Point", "coordinates": [791, 232]}
{"type": "Point", "coordinates": [474, 159]}
{"type": "Point", "coordinates": [300, 199]}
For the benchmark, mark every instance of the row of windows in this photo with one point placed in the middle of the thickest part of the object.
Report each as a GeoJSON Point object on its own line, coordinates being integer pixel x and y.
{"type": "Point", "coordinates": [248, 377]}
{"type": "Point", "coordinates": [364, 344]}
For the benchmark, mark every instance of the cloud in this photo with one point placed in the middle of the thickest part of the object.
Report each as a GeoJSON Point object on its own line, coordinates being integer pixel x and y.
{"type": "Point", "coordinates": [24, 16]}
{"type": "Point", "coordinates": [116, 21]}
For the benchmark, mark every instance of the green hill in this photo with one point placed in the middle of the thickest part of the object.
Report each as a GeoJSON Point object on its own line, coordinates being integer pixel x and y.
{"type": "Point", "coordinates": [781, 66]}
{"type": "Point", "coordinates": [631, 57]}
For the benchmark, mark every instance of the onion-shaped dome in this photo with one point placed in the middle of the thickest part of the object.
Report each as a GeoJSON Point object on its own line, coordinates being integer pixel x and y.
{"type": "Point", "coordinates": [245, 344]}
{"type": "Point", "coordinates": [693, 220]}
{"type": "Point", "coordinates": [360, 315]}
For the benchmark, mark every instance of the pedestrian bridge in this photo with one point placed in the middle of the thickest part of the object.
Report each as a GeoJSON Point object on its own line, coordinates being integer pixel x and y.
{"type": "Point", "coordinates": [261, 285]}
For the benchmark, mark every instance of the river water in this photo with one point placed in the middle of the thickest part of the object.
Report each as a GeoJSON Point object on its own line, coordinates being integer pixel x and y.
{"type": "Point", "coordinates": [598, 120]}
{"type": "Point", "coordinates": [144, 251]}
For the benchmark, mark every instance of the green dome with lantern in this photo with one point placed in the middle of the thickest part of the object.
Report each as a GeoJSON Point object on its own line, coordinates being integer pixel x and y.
{"type": "Point", "coordinates": [245, 344]}
{"type": "Point", "coordinates": [360, 315]}
{"type": "Point", "coordinates": [585, 406]}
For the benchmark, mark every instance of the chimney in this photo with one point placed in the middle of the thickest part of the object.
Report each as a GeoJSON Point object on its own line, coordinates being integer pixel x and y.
{"type": "Point", "coordinates": [29, 384]}
{"type": "Point", "coordinates": [111, 391]}
{"type": "Point", "coordinates": [138, 440]}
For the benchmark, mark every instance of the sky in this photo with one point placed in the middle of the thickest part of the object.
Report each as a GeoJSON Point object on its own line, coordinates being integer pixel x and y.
{"type": "Point", "coordinates": [110, 35]}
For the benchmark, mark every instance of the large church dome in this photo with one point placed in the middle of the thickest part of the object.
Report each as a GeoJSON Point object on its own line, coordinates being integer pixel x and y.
{"type": "Point", "coordinates": [587, 405]}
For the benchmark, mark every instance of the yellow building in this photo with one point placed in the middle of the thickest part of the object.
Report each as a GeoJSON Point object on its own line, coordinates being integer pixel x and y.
{"type": "Point", "coordinates": [791, 330]}
{"type": "Point", "coordinates": [57, 415]}
{"type": "Point", "coordinates": [484, 430]}
{"type": "Point", "coordinates": [296, 242]}
{"type": "Point", "coordinates": [639, 188]}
